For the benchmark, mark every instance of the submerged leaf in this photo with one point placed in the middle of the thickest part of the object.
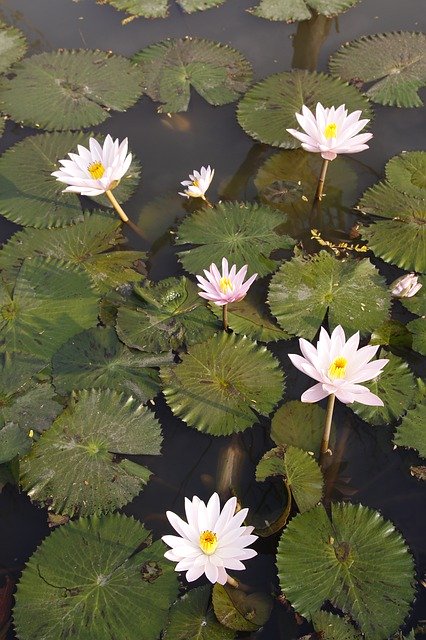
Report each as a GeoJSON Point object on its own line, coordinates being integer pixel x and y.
{"type": "Point", "coordinates": [356, 560]}
{"type": "Point", "coordinates": [292, 10]}
{"type": "Point", "coordinates": [301, 425]}
{"type": "Point", "coordinates": [411, 432]}
{"type": "Point", "coordinates": [169, 68]}
{"type": "Point", "coordinates": [76, 466]}
{"type": "Point", "coordinates": [237, 610]}
{"type": "Point", "coordinates": [96, 578]}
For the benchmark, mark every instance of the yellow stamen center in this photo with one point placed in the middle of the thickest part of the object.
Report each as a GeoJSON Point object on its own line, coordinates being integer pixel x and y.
{"type": "Point", "coordinates": [337, 368]}
{"type": "Point", "coordinates": [208, 542]}
{"type": "Point", "coordinates": [96, 170]}
{"type": "Point", "coordinates": [195, 183]}
{"type": "Point", "coordinates": [330, 130]}
{"type": "Point", "coordinates": [225, 285]}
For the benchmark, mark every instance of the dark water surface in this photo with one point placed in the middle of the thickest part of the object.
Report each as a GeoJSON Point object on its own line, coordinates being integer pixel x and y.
{"type": "Point", "coordinates": [169, 148]}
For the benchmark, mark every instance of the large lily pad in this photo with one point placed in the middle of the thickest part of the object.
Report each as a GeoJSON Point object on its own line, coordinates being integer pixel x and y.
{"type": "Point", "coordinates": [356, 560]}
{"type": "Point", "coordinates": [222, 384]}
{"type": "Point", "coordinates": [217, 72]}
{"type": "Point", "coordinates": [159, 8]}
{"type": "Point", "coordinates": [170, 313]}
{"type": "Point", "coordinates": [96, 578]}
{"type": "Point", "coordinates": [242, 233]}
{"type": "Point", "coordinates": [12, 46]}
{"type": "Point", "coordinates": [299, 424]}
{"type": "Point", "coordinates": [407, 173]}
{"type": "Point", "coordinates": [51, 301]}
{"type": "Point", "coordinates": [87, 243]}
{"type": "Point", "coordinates": [332, 627]}
{"type": "Point", "coordinates": [305, 288]}
{"type": "Point", "coordinates": [269, 108]}
{"type": "Point", "coordinates": [79, 466]}
{"type": "Point", "coordinates": [63, 90]}
{"type": "Point", "coordinates": [411, 432]}
{"type": "Point", "coordinates": [392, 64]}
{"type": "Point", "coordinates": [97, 359]}
{"type": "Point", "coordinates": [292, 10]}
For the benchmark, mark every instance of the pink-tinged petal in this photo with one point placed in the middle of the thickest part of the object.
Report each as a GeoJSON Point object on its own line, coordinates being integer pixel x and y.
{"type": "Point", "coordinates": [222, 576]}
{"type": "Point", "coordinates": [224, 268]}
{"type": "Point", "coordinates": [369, 371]}
{"type": "Point", "coordinates": [305, 366]}
{"type": "Point", "coordinates": [194, 573]}
{"type": "Point", "coordinates": [310, 148]}
{"type": "Point", "coordinates": [300, 136]}
{"type": "Point", "coordinates": [308, 351]}
{"type": "Point", "coordinates": [215, 272]}
{"type": "Point", "coordinates": [369, 399]}
{"type": "Point", "coordinates": [315, 394]}
{"type": "Point", "coordinates": [328, 155]}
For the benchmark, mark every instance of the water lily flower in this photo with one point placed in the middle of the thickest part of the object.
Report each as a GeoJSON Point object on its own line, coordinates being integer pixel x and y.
{"type": "Point", "coordinates": [405, 286]}
{"type": "Point", "coordinates": [339, 366]}
{"type": "Point", "coordinates": [198, 183]}
{"type": "Point", "coordinates": [331, 131]}
{"type": "Point", "coordinates": [212, 540]}
{"type": "Point", "coordinates": [96, 170]}
{"type": "Point", "coordinates": [225, 287]}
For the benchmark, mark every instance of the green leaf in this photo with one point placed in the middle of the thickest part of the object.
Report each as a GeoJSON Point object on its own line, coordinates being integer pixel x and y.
{"type": "Point", "coordinates": [356, 560]}
{"type": "Point", "coordinates": [301, 474]}
{"type": "Point", "coordinates": [417, 303]}
{"type": "Point", "coordinates": [222, 384]}
{"type": "Point", "coordinates": [51, 302]}
{"type": "Point", "coordinates": [76, 465]}
{"type": "Point", "coordinates": [411, 432]}
{"type": "Point", "coordinates": [418, 330]}
{"type": "Point", "coordinates": [13, 442]}
{"type": "Point", "coordinates": [62, 90]}
{"type": "Point", "coordinates": [96, 578]}
{"type": "Point", "coordinates": [170, 68]}
{"type": "Point", "coordinates": [192, 618]}
{"type": "Point", "coordinates": [189, 6]}
{"type": "Point", "coordinates": [305, 288]}
{"type": "Point", "coordinates": [237, 610]}
{"type": "Point", "coordinates": [331, 627]}
{"type": "Point", "coordinates": [293, 10]}
{"type": "Point", "coordinates": [170, 314]}
{"type": "Point", "coordinates": [159, 8]}
{"type": "Point", "coordinates": [12, 46]}
{"type": "Point", "coordinates": [392, 333]}
{"type": "Point", "coordinates": [395, 386]}
{"type": "Point", "coordinates": [299, 424]}
{"type": "Point", "coordinates": [242, 233]}
{"type": "Point", "coordinates": [407, 173]}
{"type": "Point", "coordinates": [393, 64]}
{"type": "Point", "coordinates": [97, 359]}
{"type": "Point", "coordinates": [269, 108]}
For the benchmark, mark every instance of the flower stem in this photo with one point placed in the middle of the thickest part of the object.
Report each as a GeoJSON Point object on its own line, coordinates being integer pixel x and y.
{"type": "Point", "coordinates": [327, 427]}
{"type": "Point", "coordinates": [234, 583]}
{"type": "Point", "coordinates": [225, 317]}
{"type": "Point", "coordinates": [116, 205]}
{"type": "Point", "coordinates": [208, 203]}
{"type": "Point", "coordinates": [320, 186]}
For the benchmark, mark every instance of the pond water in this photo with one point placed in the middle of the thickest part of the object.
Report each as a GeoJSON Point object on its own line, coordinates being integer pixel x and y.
{"type": "Point", "coordinates": [169, 148]}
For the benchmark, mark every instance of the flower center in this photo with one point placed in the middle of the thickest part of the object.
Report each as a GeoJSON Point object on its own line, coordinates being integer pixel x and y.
{"type": "Point", "coordinates": [208, 542]}
{"type": "Point", "coordinates": [330, 130]}
{"type": "Point", "coordinates": [337, 368]}
{"type": "Point", "coordinates": [225, 285]}
{"type": "Point", "coordinates": [96, 170]}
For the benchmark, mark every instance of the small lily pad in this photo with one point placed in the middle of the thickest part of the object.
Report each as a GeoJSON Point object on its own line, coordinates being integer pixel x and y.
{"type": "Point", "coordinates": [392, 64]}
{"type": "Point", "coordinates": [159, 8]}
{"type": "Point", "coordinates": [294, 10]}
{"type": "Point", "coordinates": [169, 68]}
{"type": "Point", "coordinates": [305, 288]}
{"type": "Point", "coordinates": [411, 432]}
{"type": "Point", "coordinates": [12, 46]}
{"type": "Point", "coordinates": [79, 465]}
{"type": "Point", "coordinates": [96, 577]}
{"type": "Point", "coordinates": [242, 233]}
{"type": "Point", "coordinates": [63, 90]}
{"type": "Point", "coordinates": [299, 424]}
{"type": "Point", "coordinates": [223, 384]}
{"type": "Point", "coordinates": [269, 108]}
{"type": "Point", "coordinates": [237, 610]}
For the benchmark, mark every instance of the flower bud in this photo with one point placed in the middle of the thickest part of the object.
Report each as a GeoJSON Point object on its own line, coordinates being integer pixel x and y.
{"type": "Point", "coordinates": [405, 286]}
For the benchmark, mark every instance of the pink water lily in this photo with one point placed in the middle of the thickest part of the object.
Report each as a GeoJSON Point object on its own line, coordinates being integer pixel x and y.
{"type": "Point", "coordinates": [331, 131]}
{"type": "Point", "coordinates": [228, 286]}
{"type": "Point", "coordinates": [406, 286]}
{"type": "Point", "coordinates": [339, 366]}
{"type": "Point", "coordinates": [212, 540]}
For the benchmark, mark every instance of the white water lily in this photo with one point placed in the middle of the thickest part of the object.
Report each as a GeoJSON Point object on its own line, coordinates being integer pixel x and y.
{"type": "Point", "coordinates": [339, 366]}
{"type": "Point", "coordinates": [331, 131]}
{"type": "Point", "coordinates": [95, 170]}
{"type": "Point", "coordinates": [405, 286]}
{"type": "Point", "coordinates": [212, 540]}
{"type": "Point", "coordinates": [198, 183]}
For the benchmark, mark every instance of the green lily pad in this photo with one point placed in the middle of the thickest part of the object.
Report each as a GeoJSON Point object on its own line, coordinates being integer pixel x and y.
{"type": "Point", "coordinates": [305, 288]}
{"type": "Point", "coordinates": [407, 173]}
{"type": "Point", "coordinates": [12, 46]}
{"type": "Point", "coordinates": [51, 302]}
{"type": "Point", "coordinates": [171, 313]}
{"type": "Point", "coordinates": [192, 618]}
{"type": "Point", "coordinates": [79, 466]}
{"type": "Point", "coordinates": [300, 425]}
{"type": "Point", "coordinates": [242, 233]}
{"type": "Point", "coordinates": [293, 10]}
{"type": "Point", "coordinates": [418, 329]}
{"type": "Point", "coordinates": [159, 8]}
{"type": "Point", "coordinates": [96, 578]}
{"type": "Point", "coordinates": [356, 560]}
{"type": "Point", "coordinates": [332, 627]}
{"type": "Point", "coordinates": [63, 90]}
{"type": "Point", "coordinates": [97, 359]}
{"type": "Point", "coordinates": [392, 333]}
{"type": "Point", "coordinates": [301, 474]}
{"type": "Point", "coordinates": [395, 386]}
{"type": "Point", "coordinates": [417, 303]}
{"type": "Point", "coordinates": [237, 610]}
{"type": "Point", "coordinates": [170, 68]}
{"type": "Point", "coordinates": [411, 432]}
{"type": "Point", "coordinates": [392, 64]}
{"type": "Point", "coordinates": [222, 384]}
{"type": "Point", "coordinates": [269, 108]}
